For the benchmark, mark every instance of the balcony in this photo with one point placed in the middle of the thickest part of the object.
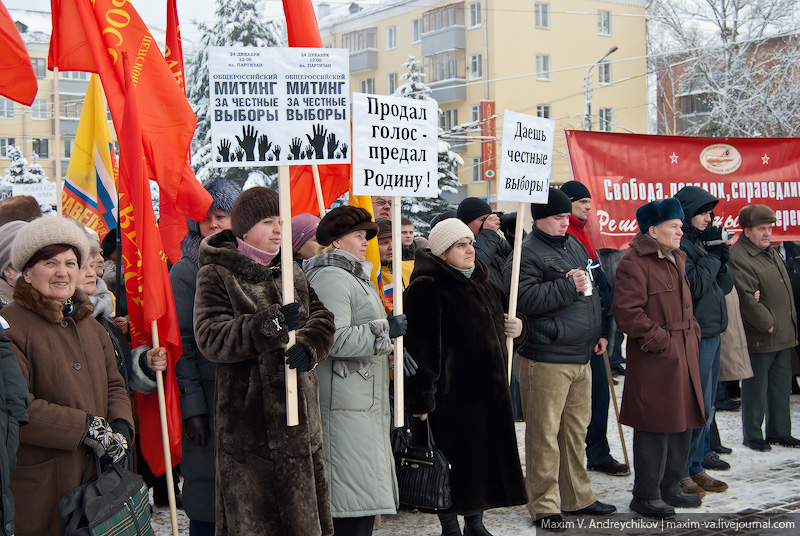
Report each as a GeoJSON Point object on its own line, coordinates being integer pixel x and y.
{"type": "Point", "coordinates": [453, 89]}
{"type": "Point", "coordinates": [450, 38]}
{"type": "Point", "coordinates": [363, 60]}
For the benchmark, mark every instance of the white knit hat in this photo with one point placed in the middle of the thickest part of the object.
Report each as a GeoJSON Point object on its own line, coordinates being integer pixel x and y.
{"type": "Point", "coordinates": [46, 231]}
{"type": "Point", "coordinates": [446, 233]}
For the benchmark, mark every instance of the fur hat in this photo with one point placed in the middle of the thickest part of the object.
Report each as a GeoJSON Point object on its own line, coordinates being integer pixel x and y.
{"type": "Point", "coordinates": [19, 207]}
{"type": "Point", "coordinates": [46, 231]}
{"type": "Point", "coordinates": [446, 233]}
{"type": "Point", "coordinates": [753, 215]}
{"type": "Point", "coordinates": [472, 208]}
{"type": "Point", "coordinates": [575, 190]}
{"type": "Point", "coordinates": [342, 220]}
{"type": "Point", "coordinates": [656, 212]}
{"type": "Point", "coordinates": [223, 193]}
{"type": "Point", "coordinates": [252, 206]}
{"type": "Point", "coordinates": [384, 228]}
{"type": "Point", "coordinates": [7, 234]}
{"type": "Point", "coordinates": [304, 226]}
{"type": "Point", "coordinates": [557, 203]}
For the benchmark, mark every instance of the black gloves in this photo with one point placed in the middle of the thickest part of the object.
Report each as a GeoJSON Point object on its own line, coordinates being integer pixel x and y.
{"type": "Point", "coordinates": [197, 429]}
{"type": "Point", "coordinates": [103, 440]}
{"type": "Point", "coordinates": [291, 315]}
{"type": "Point", "coordinates": [398, 325]}
{"type": "Point", "coordinates": [298, 357]}
{"type": "Point", "coordinates": [409, 365]}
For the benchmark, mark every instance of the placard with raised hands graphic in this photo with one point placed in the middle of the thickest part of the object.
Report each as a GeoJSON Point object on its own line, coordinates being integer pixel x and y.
{"type": "Point", "coordinates": [279, 105]}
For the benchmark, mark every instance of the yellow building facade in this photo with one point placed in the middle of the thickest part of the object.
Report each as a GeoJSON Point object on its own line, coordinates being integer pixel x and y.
{"type": "Point", "coordinates": [527, 56]}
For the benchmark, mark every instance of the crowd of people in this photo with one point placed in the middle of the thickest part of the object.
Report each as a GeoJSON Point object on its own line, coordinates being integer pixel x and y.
{"type": "Point", "coordinates": [697, 315]}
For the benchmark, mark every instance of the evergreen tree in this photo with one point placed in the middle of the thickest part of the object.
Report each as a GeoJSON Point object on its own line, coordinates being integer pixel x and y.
{"type": "Point", "coordinates": [238, 23]}
{"type": "Point", "coordinates": [20, 171]}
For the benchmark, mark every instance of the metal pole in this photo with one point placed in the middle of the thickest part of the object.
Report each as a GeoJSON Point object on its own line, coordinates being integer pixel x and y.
{"type": "Point", "coordinates": [587, 101]}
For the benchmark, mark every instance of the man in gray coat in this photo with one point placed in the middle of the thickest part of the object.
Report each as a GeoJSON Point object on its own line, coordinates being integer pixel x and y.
{"type": "Point", "coordinates": [770, 324]}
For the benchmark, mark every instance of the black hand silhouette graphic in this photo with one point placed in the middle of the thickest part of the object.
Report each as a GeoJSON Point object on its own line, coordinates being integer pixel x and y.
{"type": "Point", "coordinates": [318, 141]}
{"type": "Point", "coordinates": [248, 142]}
{"type": "Point", "coordinates": [344, 150]}
{"type": "Point", "coordinates": [295, 147]}
{"type": "Point", "coordinates": [309, 153]}
{"type": "Point", "coordinates": [332, 145]}
{"type": "Point", "coordinates": [225, 150]}
{"type": "Point", "coordinates": [239, 154]}
{"type": "Point", "coordinates": [263, 147]}
{"type": "Point", "coordinates": [277, 152]}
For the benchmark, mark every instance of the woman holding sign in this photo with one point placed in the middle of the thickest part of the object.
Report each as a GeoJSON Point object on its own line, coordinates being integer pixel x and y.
{"type": "Point", "coordinates": [271, 478]}
{"type": "Point", "coordinates": [354, 383]}
{"type": "Point", "coordinates": [457, 333]}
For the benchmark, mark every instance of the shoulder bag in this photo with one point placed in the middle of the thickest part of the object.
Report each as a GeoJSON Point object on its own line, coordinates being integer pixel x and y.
{"type": "Point", "coordinates": [423, 476]}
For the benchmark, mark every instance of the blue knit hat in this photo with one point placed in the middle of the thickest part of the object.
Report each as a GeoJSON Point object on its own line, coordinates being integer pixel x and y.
{"type": "Point", "coordinates": [656, 212]}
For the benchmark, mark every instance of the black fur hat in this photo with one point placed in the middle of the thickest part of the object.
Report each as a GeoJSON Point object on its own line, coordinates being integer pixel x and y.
{"type": "Point", "coordinates": [342, 220]}
{"type": "Point", "coordinates": [656, 212]}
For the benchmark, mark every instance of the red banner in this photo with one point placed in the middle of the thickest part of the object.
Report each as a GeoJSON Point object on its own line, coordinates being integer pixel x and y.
{"type": "Point", "coordinates": [625, 171]}
{"type": "Point", "coordinates": [489, 144]}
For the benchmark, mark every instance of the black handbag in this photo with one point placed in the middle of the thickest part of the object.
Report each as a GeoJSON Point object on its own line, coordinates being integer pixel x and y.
{"type": "Point", "coordinates": [116, 502]}
{"type": "Point", "coordinates": [423, 476]}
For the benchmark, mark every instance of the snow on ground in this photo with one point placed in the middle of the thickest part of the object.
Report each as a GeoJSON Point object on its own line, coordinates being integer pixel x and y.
{"type": "Point", "coordinates": [760, 481]}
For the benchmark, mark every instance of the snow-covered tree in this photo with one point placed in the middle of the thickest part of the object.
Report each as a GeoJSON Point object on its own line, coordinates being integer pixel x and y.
{"type": "Point", "coordinates": [421, 210]}
{"type": "Point", "coordinates": [237, 23]}
{"type": "Point", "coordinates": [20, 171]}
{"type": "Point", "coordinates": [726, 67]}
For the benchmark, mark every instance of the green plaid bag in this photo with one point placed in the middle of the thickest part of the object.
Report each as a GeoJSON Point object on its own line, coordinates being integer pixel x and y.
{"type": "Point", "coordinates": [115, 503]}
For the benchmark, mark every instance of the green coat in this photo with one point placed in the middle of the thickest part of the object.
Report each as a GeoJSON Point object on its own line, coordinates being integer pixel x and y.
{"type": "Point", "coordinates": [355, 410]}
{"type": "Point", "coordinates": [756, 269]}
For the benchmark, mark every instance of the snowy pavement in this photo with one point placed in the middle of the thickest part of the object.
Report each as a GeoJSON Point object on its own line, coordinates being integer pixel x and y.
{"type": "Point", "coordinates": [764, 491]}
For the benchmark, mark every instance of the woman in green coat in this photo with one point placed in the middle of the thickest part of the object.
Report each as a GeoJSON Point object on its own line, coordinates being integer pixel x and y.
{"type": "Point", "coordinates": [354, 382]}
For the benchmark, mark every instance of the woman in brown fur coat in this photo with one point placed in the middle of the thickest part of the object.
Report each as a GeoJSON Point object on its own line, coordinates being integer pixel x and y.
{"type": "Point", "coordinates": [271, 478]}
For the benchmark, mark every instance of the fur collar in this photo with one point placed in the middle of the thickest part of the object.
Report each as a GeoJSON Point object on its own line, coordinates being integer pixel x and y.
{"type": "Point", "coordinates": [428, 264]}
{"type": "Point", "coordinates": [222, 249]}
{"type": "Point", "coordinates": [29, 298]}
{"type": "Point", "coordinates": [190, 245]}
{"type": "Point", "coordinates": [644, 245]}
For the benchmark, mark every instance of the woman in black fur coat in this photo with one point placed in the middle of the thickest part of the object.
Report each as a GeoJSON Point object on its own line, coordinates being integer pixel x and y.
{"type": "Point", "coordinates": [457, 334]}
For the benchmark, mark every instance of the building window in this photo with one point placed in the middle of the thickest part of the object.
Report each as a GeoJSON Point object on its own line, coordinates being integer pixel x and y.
{"type": "Point", "coordinates": [475, 66]}
{"type": "Point", "coordinates": [74, 75]}
{"type": "Point", "coordinates": [448, 119]}
{"type": "Point", "coordinates": [39, 109]}
{"type": "Point", "coordinates": [39, 67]}
{"type": "Point", "coordinates": [475, 113]}
{"type": "Point", "coordinates": [603, 22]}
{"type": "Point", "coordinates": [544, 110]}
{"type": "Point", "coordinates": [416, 30]}
{"type": "Point", "coordinates": [542, 11]}
{"type": "Point", "coordinates": [391, 83]}
{"type": "Point", "coordinates": [360, 40]}
{"type": "Point", "coordinates": [68, 148]}
{"type": "Point", "coordinates": [443, 66]}
{"type": "Point", "coordinates": [543, 67]}
{"type": "Point", "coordinates": [5, 143]}
{"type": "Point", "coordinates": [694, 104]}
{"type": "Point", "coordinates": [443, 17]}
{"type": "Point", "coordinates": [604, 72]}
{"type": "Point", "coordinates": [474, 14]}
{"type": "Point", "coordinates": [6, 108]}
{"type": "Point", "coordinates": [606, 120]}
{"type": "Point", "coordinates": [71, 106]}
{"type": "Point", "coordinates": [391, 37]}
{"type": "Point", "coordinates": [367, 85]}
{"type": "Point", "coordinates": [40, 147]}
{"type": "Point", "coordinates": [475, 175]}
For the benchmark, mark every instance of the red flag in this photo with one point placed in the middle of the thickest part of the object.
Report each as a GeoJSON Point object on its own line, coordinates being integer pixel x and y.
{"type": "Point", "coordinates": [171, 222]}
{"type": "Point", "coordinates": [302, 29]}
{"type": "Point", "coordinates": [92, 35]}
{"type": "Point", "coordinates": [147, 285]}
{"type": "Point", "coordinates": [17, 79]}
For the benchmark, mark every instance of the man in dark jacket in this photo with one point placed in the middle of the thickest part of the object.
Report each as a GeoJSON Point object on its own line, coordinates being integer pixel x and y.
{"type": "Point", "coordinates": [13, 402]}
{"type": "Point", "coordinates": [709, 280]}
{"type": "Point", "coordinates": [552, 367]}
{"type": "Point", "coordinates": [490, 245]}
{"type": "Point", "coordinates": [770, 325]}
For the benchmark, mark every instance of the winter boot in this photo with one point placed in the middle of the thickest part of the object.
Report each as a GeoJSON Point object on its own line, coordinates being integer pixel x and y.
{"type": "Point", "coordinates": [449, 525]}
{"type": "Point", "coordinates": [473, 525]}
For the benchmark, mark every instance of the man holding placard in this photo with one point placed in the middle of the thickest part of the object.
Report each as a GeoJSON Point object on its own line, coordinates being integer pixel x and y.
{"type": "Point", "coordinates": [552, 367]}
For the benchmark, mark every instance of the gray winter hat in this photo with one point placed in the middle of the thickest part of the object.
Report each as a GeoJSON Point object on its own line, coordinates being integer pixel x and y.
{"type": "Point", "coordinates": [223, 192]}
{"type": "Point", "coordinates": [7, 234]}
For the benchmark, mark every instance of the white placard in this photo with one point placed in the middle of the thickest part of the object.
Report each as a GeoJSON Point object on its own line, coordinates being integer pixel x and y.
{"type": "Point", "coordinates": [279, 106]}
{"type": "Point", "coordinates": [44, 192]}
{"type": "Point", "coordinates": [527, 158]}
{"type": "Point", "coordinates": [396, 146]}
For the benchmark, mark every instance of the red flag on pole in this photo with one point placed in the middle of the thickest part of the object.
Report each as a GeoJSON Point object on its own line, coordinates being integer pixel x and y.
{"type": "Point", "coordinates": [302, 30]}
{"type": "Point", "coordinates": [91, 35]}
{"type": "Point", "coordinates": [147, 285]}
{"type": "Point", "coordinates": [17, 79]}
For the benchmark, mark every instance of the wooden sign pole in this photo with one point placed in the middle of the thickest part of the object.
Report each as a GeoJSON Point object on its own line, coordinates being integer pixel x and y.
{"type": "Point", "coordinates": [287, 279]}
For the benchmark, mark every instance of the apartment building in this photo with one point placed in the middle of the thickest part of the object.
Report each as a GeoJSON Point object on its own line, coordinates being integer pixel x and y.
{"type": "Point", "coordinates": [526, 56]}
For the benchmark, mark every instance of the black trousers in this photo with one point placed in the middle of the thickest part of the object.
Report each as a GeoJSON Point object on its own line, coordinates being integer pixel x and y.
{"type": "Point", "coordinates": [353, 526]}
{"type": "Point", "coordinates": [659, 461]}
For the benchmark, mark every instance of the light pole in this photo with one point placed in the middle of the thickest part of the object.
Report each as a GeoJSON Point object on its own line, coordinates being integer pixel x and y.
{"type": "Point", "coordinates": [587, 109]}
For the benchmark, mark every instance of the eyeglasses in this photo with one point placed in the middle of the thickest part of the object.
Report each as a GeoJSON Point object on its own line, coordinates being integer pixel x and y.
{"type": "Point", "coordinates": [382, 202]}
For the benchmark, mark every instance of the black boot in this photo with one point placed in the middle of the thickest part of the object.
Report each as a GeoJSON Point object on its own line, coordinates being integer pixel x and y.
{"type": "Point", "coordinates": [473, 526]}
{"type": "Point", "coordinates": [449, 525]}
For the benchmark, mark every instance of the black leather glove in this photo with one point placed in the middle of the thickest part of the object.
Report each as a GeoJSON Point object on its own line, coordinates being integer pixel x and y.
{"type": "Point", "coordinates": [723, 251]}
{"type": "Point", "coordinates": [298, 357]}
{"type": "Point", "coordinates": [409, 365]}
{"type": "Point", "coordinates": [105, 442]}
{"type": "Point", "coordinates": [398, 325]}
{"type": "Point", "coordinates": [197, 429]}
{"type": "Point", "coordinates": [291, 315]}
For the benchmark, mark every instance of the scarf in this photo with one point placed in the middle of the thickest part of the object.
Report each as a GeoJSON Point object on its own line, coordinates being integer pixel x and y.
{"type": "Point", "coordinates": [577, 228]}
{"type": "Point", "coordinates": [255, 254]}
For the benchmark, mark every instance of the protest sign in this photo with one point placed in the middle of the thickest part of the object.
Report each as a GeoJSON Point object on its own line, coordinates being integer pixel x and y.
{"type": "Point", "coordinates": [279, 106]}
{"type": "Point", "coordinates": [396, 142]}
{"type": "Point", "coordinates": [527, 158]}
{"type": "Point", "coordinates": [44, 192]}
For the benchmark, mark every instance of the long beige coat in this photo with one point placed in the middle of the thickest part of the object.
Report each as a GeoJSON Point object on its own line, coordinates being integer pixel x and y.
{"type": "Point", "coordinates": [734, 358]}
